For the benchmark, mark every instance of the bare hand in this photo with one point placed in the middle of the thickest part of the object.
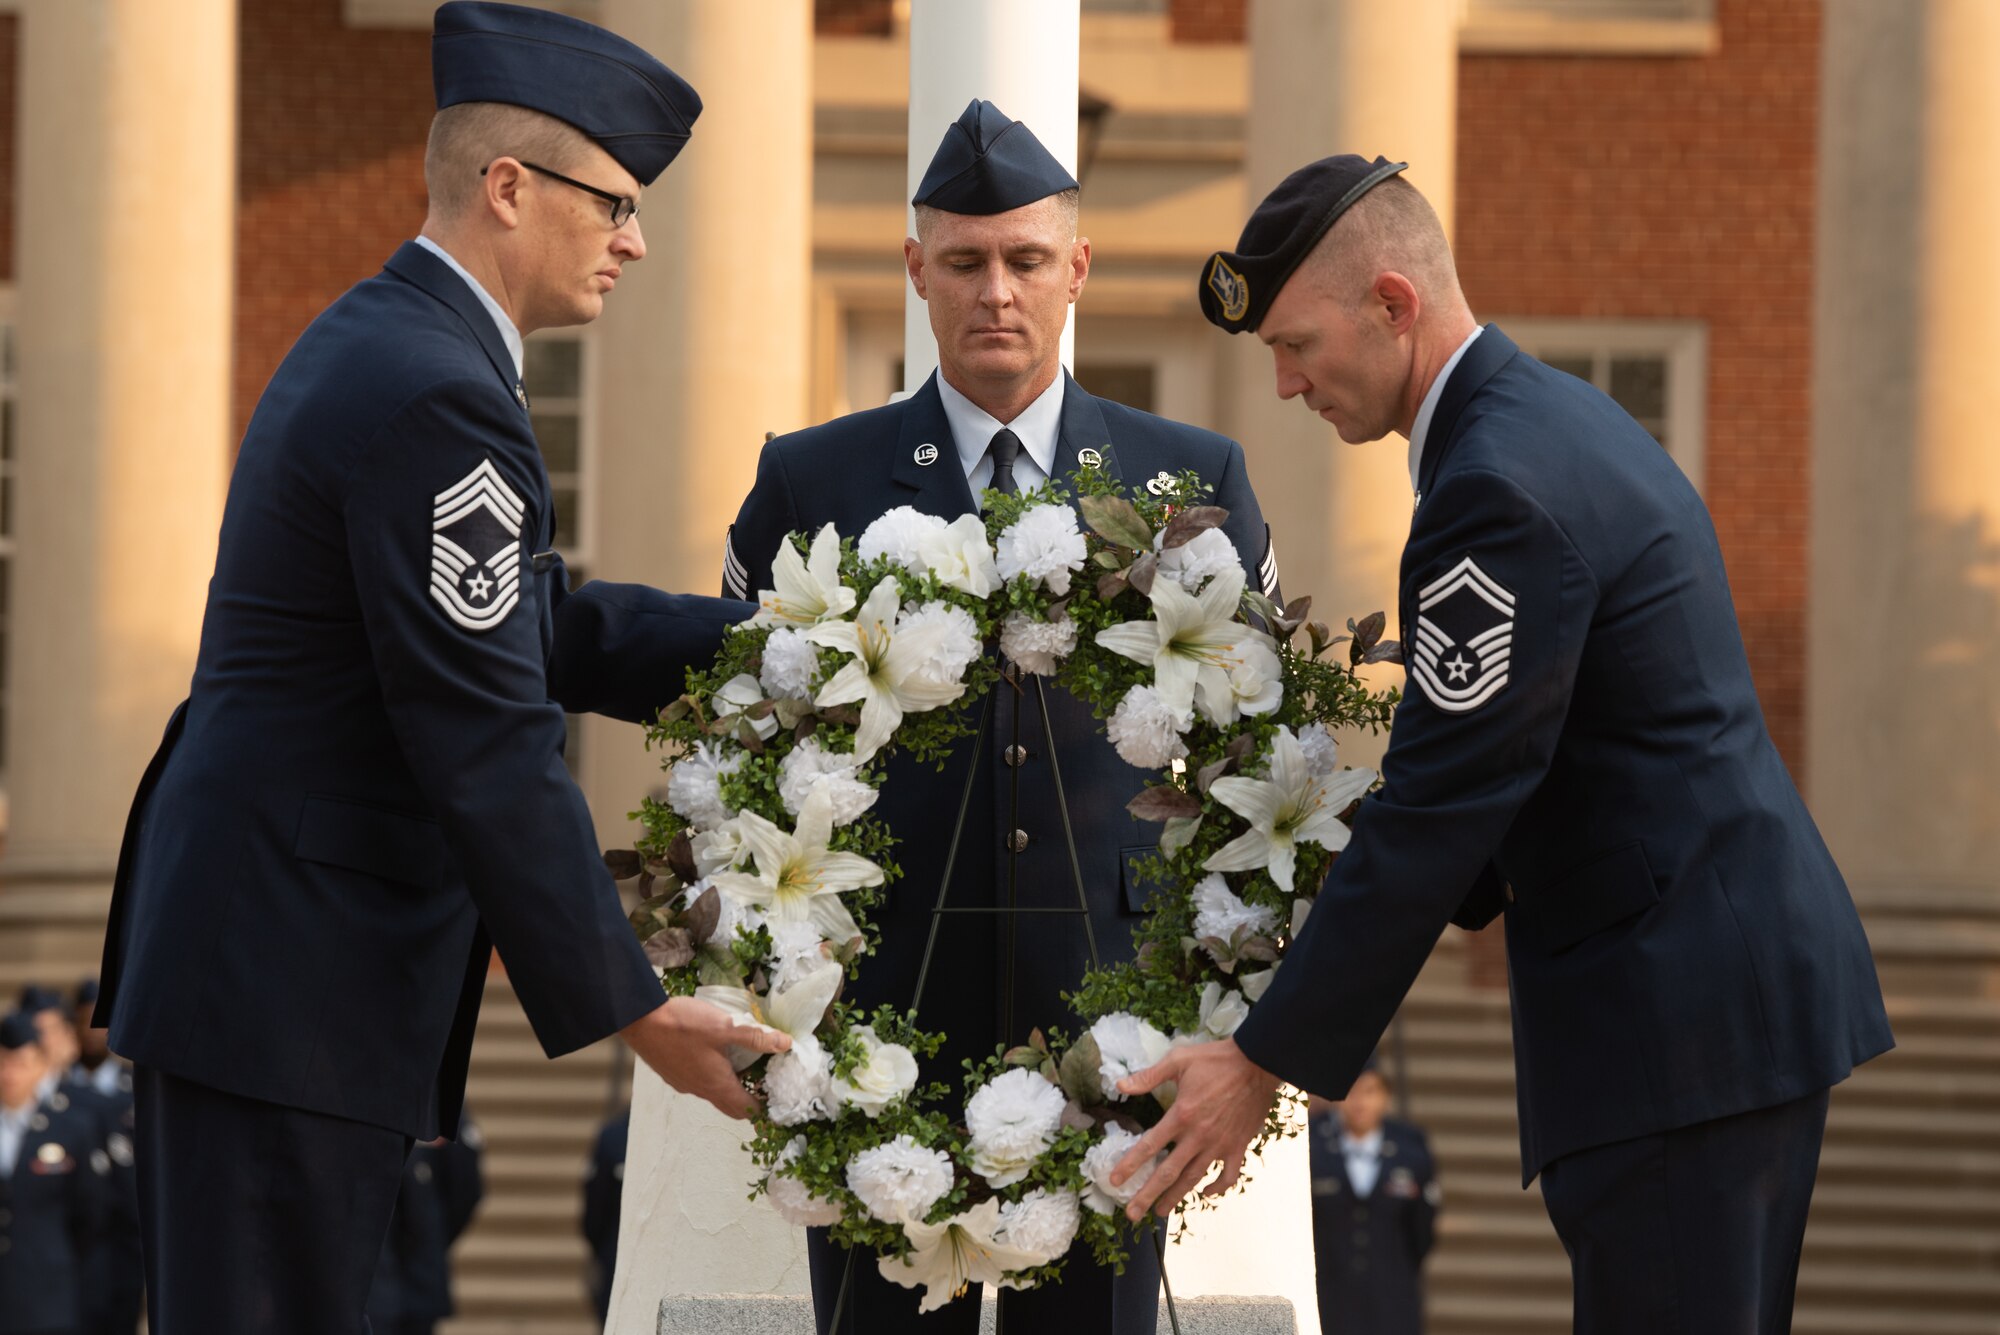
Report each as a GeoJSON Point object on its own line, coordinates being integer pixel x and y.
{"type": "Point", "coordinates": [1223, 1101]}
{"type": "Point", "coordinates": [686, 1042]}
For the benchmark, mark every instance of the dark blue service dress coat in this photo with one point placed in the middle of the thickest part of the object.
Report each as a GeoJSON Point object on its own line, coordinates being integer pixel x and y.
{"type": "Point", "coordinates": [1581, 750]}
{"type": "Point", "coordinates": [365, 786]}
{"type": "Point", "coordinates": [1368, 1251]}
{"type": "Point", "coordinates": [52, 1212]}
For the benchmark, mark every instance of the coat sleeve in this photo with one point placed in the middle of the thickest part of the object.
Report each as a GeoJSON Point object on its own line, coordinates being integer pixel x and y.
{"type": "Point", "coordinates": [1461, 761]}
{"type": "Point", "coordinates": [459, 660]}
{"type": "Point", "coordinates": [624, 650]}
{"type": "Point", "coordinates": [1246, 527]}
{"type": "Point", "coordinates": [767, 515]}
{"type": "Point", "coordinates": [1422, 1217]}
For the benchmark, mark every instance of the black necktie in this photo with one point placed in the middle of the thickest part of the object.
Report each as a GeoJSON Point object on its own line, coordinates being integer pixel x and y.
{"type": "Point", "coordinates": [1005, 449]}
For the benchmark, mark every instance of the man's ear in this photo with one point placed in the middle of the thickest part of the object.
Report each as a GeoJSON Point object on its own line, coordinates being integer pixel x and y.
{"type": "Point", "coordinates": [502, 180]}
{"type": "Point", "coordinates": [1396, 297]}
{"type": "Point", "coordinates": [1079, 267]}
{"type": "Point", "coordinates": [913, 261]}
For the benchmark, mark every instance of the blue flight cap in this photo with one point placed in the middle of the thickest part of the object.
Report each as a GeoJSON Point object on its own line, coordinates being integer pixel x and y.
{"type": "Point", "coordinates": [17, 1031]}
{"type": "Point", "coordinates": [1238, 286]}
{"type": "Point", "coordinates": [35, 999]}
{"type": "Point", "coordinates": [989, 164]}
{"type": "Point", "coordinates": [85, 994]}
{"type": "Point", "coordinates": [638, 110]}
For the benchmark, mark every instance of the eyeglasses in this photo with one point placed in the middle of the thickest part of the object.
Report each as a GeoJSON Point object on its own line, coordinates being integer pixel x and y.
{"type": "Point", "coordinates": [623, 209]}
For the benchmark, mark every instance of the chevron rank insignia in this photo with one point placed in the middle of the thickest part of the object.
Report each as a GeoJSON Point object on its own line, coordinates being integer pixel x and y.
{"type": "Point", "coordinates": [1465, 637]}
{"type": "Point", "coordinates": [476, 549]}
{"type": "Point", "coordinates": [735, 579]}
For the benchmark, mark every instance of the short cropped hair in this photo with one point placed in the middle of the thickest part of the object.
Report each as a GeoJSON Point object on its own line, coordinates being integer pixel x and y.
{"type": "Point", "coordinates": [1068, 205]}
{"type": "Point", "coordinates": [466, 137]}
{"type": "Point", "coordinates": [1391, 228]}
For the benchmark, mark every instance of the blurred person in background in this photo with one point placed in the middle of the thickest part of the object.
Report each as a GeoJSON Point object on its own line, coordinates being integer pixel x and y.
{"type": "Point", "coordinates": [442, 1186]}
{"type": "Point", "coordinates": [52, 1191]}
{"type": "Point", "coordinates": [96, 1064]}
{"type": "Point", "coordinates": [603, 1197]}
{"type": "Point", "coordinates": [1375, 1205]}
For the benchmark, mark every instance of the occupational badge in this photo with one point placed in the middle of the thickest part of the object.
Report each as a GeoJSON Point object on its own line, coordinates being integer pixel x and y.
{"type": "Point", "coordinates": [1089, 457]}
{"type": "Point", "coordinates": [1465, 637]}
{"type": "Point", "coordinates": [476, 549]}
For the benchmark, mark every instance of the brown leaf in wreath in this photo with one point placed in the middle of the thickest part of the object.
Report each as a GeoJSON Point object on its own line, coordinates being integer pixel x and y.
{"type": "Point", "coordinates": [849, 950]}
{"type": "Point", "coordinates": [848, 716]}
{"type": "Point", "coordinates": [792, 712]}
{"type": "Point", "coordinates": [762, 709]}
{"type": "Point", "coordinates": [1208, 774]}
{"type": "Point", "coordinates": [623, 863]}
{"type": "Point", "coordinates": [1219, 951]}
{"type": "Point", "coordinates": [1075, 1116]}
{"type": "Point", "coordinates": [1388, 651]}
{"type": "Point", "coordinates": [746, 735]}
{"type": "Point", "coordinates": [1111, 585]}
{"type": "Point", "coordinates": [1038, 1041]}
{"type": "Point", "coordinates": [1368, 630]}
{"type": "Point", "coordinates": [1109, 560]}
{"type": "Point", "coordinates": [669, 948]}
{"type": "Point", "coordinates": [680, 858]}
{"type": "Point", "coordinates": [807, 727]}
{"type": "Point", "coordinates": [1258, 948]}
{"type": "Point", "coordinates": [1163, 802]}
{"type": "Point", "coordinates": [676, 711]}
{"type": "Point", "coordinates": [1057, 609]}
{"type": "Point", "coordinates": [1322, 637]}
{"type": "Point", "coordinates": [651, 915]}
{"type": "Point", "coordinates": [1194, 520]}
{"type": "Point", "coordinates": [1288, 621]}
{"type": "Point", "coordinates": [1240, 747]}
{"type": "Point", "coordinates": [1025, 1057]}
{"type": "Point", "coordinates": [1143, 572]}
{"type": "Point", "coordinates": [1178, 833]}
{"type": "Point", "coordinates": [701, 917]}
{"type": "Point", "coordinates": [1077, 1074]}
{"type": "Point", "coordinates": [1117, 520]}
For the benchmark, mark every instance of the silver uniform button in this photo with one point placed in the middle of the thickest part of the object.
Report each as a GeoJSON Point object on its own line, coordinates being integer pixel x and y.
{"type": "Point", "coordinates": [1017, 756]}
{"type": "Point", "coordinates": [1017, 842]}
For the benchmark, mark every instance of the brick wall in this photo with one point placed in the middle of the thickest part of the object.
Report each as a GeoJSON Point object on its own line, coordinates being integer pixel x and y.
{"type": "Point", "coordinates": [854, 18]}
{"type": "Point", "coordinates": [1208, 20]}
{"type": "Point", "coordinates": [1676, 189]}
{"type": "Point", "coordinates": [330, 175]}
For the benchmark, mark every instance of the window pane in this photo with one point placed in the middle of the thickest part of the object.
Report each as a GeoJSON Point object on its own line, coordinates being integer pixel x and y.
{"type": "Point", "coordinates": [565, 498]}
{"type": "Point", "coordinates": [1130, 384]}
{"type": "Point", "coordinates": [1576, 366]}
{"type": "Point", "coordinates": [558, 436]}
{"type": "Point", "coordinates": [555, 368]}
{"type": "Point", "coordinates": [1640, 385]}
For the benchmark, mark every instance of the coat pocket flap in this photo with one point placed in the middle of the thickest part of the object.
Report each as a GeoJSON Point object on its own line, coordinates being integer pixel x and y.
{"type": "Point", "coordinates": [1133, 889]}
{"type": "Point", "coordinates": [1603, 891]}
{"type": "Point", "coordinates": [393, 845]}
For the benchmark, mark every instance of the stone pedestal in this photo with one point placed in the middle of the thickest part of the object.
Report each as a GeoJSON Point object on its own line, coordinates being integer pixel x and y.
{"type": "Point", "coordinates": [733, 1314]}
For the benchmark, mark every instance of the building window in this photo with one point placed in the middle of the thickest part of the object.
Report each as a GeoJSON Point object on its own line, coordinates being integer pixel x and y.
{"type": "Point", "coordinates": [557, 376]}
{"type": "Point", "coordinates": [1656, 370]}
{"type": "Point", "coordinates": [1591, 27]}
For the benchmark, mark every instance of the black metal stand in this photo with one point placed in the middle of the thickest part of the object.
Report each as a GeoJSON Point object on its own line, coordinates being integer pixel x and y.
{"type": "Point", "coordinates": [1011, 679]}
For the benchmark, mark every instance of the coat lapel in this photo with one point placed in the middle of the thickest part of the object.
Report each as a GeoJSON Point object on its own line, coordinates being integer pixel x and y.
{"type": "Point", "coordinates": [1082, 429]}
{"type": "Point", "coordinates": [939, 486]}
{"type": "Point", "coordinates": [418, 267]}
{"type": "Point", "coordinates": [1488, 353]}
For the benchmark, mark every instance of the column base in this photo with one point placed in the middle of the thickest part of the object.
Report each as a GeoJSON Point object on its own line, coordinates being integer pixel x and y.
{"type": "Point", "coordinates": [741, 1314]}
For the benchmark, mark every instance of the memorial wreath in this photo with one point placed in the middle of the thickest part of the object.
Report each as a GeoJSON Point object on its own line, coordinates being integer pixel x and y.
{"type": "Point", "coordinates": [759, 869]}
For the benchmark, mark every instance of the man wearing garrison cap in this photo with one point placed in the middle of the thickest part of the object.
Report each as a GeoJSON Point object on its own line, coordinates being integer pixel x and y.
{"type": "Point", "coordinates": [1581, 752]}
{"type": "Point", "coordinates": [998, 261]}
{"type": "Point", "coordinates": [364, 794]}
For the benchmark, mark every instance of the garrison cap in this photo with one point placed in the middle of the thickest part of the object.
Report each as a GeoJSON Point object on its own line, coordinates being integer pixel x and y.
{"type": "Point", "coordinates": [35, 999]}
{"type": "Point", "coordinates": [85, 994]}
{"type": "Point", "coordinates": [989, 164]}
{"type": "Point", "coordinates": [17, 1031]}
{"type": "Point", "coordinates": [1238, 286]}
{"type": "Point", "coordinates": [638, 110]}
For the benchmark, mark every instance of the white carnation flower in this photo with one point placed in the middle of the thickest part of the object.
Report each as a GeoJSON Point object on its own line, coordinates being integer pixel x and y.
{"type": "Point", "coordinates": [1220, 914]}
{"type": "Point", "coordinates": [1042, 1222]}
{"type": "Point", "coordinates": [1321, 752]}
{"type": "Point", "coordinates": [798, 1084]}
{"type": "Point", "coordinates": [809, 767]}
{"type": "Point", "coordinates": [1221, 1013]}
{"type": "Point", "coordinates": [1253, 984]}
{"type": "Point", "coordinates": [738, 695]}
{"type": "Point", "coordinates": [1045, 545]}
{"type": "Point", "coordinates": [961, 558]}
{"type": "Point", "coordinates": [899, 535]}
{"type": "Point", "coordinates": [1146, 731]}
{"type": "Point", "coordinates": [694, 788]}
{"type": "Point", "coordinates": [899, 1181]}
{"type": "Point", "coordinates": [790, 664]}
{"type": "Point", "coordinates": [1198, 560]}
{"type": "Point", "coordinates": [1037, 647]}
{"type": "Point", "coordinates": [794, 1202]}
{"type": "Point", "coordinates": [718, 849]}
{"type": "Point", "coordinates": [958, 641]}
{"type": "Point", "coordinates": [796, 950]}
{"type": "Point", "coordinates": [1102, 1195]}
{"type": "Point", "coordinates": [885, 1073]}
{"type": "Point", "coordinates": [1125, 1044]}
{"type": "Point", "coordinates": [1011, 1120]}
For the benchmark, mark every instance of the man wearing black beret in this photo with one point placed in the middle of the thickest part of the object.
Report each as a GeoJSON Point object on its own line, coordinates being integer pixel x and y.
{"type": "Point", "coordinates": [998, 262]}
{"type": "Point", "coordinates": [364, 794]}
{"type": "Point", "coordinates": [1581, 752]}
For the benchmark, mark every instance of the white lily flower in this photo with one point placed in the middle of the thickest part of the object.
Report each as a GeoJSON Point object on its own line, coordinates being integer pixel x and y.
{"type": "Point", "coordinates": [794, 1010]}
{"type": "Point", "coordinates": [738, 696]}
{"type": "Point", "coordinates": [886, 672]}
{"type": "Point", "coordinates": [809, 589]}
{"type": "Point", "coordinates": [963, 1250]}
{"type": "Point", "coordinates": [1251, 683]}
{"type": "Point", "coordinates": [1193, 641]}
{"type": "Point", "coordinates": [959, 555]}
{"type": "Point", "coordinates": [798, 878]}
{"type": "Point", "coordinates": [1290, 807]}
{"type": "Point", "coordinates": [1221, 1012]}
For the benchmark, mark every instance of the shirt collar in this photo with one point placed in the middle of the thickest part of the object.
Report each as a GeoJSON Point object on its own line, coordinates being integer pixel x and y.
{"type": "Point", "coordinates": [508, 333]}
{"type": "Point", "coordinates": [1428, 409]}
{"type": "Point", "coordinates": [18, 1118]}
{"type": "Point", "coordinates": [972, 427]}
{"type": "Point", "coordinates": [1370, 1144]}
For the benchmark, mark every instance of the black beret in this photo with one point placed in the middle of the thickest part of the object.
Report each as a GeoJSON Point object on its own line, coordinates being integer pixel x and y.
{"type": "Point", "coordinates": [35, 999]}
{"type": "Point", "coordinates": [17, 1031]}
{"type": "Point", "coordinates": [638, 110]}
{"type": "Point", "coordinates": [1238, 286]}
{"type": "Point", "coordinates": [989, 164]}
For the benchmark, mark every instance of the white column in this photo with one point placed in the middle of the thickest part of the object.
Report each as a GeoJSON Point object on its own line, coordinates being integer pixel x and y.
{"type": "Point", "coordinates": [702, 349]}
{"type": "Point", "coordinates": [127, 142]}
{"type": "Point", "coordinates": [1328, 77]}
{"type": "Point", "coordinates": [1903, 737]}
{"type": "Point", "coordinates": [1020, 55]}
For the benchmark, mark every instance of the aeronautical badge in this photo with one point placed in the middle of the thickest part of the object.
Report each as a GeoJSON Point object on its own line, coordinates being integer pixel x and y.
{"type": "Point", "coordinates": [1465, 637]}
{"type": "Point", "coordinates": [1229, 287]}
{"type": "Point", "coordinates": [476, 549]}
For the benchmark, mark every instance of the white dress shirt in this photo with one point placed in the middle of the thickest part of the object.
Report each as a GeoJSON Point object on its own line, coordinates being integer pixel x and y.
{"type": "Point", "coordinates": [508, 333]}
{"type": "Point", "coordinates": [13, 1132]}
{"type": "Point", "coordinates": [972, 429]}
{"type": "Point", "coordinates": [1428, 408]}
{"type": "Point", "coordinates": [1364, 1157]}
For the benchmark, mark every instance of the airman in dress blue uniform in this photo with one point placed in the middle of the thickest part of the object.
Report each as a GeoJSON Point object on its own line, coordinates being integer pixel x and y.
{"type": "Point", "coordinates": [998, 262]}
{"type": "Point", "coordinates": [1374, 1205]}
{"type": "Point", "coordinates": [603, 1200]}
{"type": "Point", "coordinates": [1581, 752]}
{"type": "Point", "coordinates": [364, 794]}
{"type": "Point", "coordinates": [442, 1186]}
{"type": "Point", "coordinates": [53, 1192]}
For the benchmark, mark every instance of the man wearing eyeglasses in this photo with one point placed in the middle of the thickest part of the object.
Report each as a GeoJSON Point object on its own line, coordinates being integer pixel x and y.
{"type": "Point", "coordinates": [364, 793]}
